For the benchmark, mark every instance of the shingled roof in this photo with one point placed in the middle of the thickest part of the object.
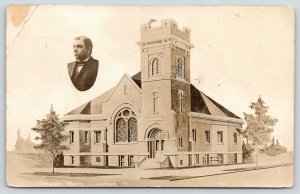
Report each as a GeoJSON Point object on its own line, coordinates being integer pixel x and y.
{"type": "Point", "coordinates": [92, 107]}
{"type": "Point", "coordinates": [200, 102]}
{"type": "Point", "coordinates": [137, 79]}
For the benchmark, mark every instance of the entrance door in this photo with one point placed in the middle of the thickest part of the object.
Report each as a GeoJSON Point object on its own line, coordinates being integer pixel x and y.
{"type": "Point", "coordinates": [151, 148]}
{"type": "Point", "coordinates": [156, 143]}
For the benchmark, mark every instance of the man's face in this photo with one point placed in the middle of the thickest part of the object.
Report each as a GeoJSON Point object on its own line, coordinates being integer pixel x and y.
{"type": "Point", "coordinates": [81, 52]}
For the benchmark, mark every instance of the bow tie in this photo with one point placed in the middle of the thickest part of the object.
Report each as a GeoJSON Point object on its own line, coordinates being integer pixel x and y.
{"type": "Point", "coordinates": [80, 63]}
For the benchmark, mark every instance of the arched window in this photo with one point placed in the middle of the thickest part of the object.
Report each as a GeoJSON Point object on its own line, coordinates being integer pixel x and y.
{"type": "Point", "coordinates": [126, 126]}
{"type": "Point", "coordinates": [132, 127]}
{"type": "Point", "coordinates": [155, 66]}
{"type": "Point", "coordinates": [180, 67]}
{"type": "Point", "coordinates": [121, 130]}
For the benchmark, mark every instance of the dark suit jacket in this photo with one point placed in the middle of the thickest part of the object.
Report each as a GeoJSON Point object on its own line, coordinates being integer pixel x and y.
{"type": "Point", "coordinates": [86, 78]}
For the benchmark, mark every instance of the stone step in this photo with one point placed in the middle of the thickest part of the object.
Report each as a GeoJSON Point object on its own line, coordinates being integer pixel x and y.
{"type": "Point", "coordinates": [151, 163]}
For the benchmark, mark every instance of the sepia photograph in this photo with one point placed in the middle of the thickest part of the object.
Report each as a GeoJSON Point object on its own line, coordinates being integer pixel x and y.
{"type": "Point", "coordinates": [83, 72]}
{"type": "Point", "coordinates": [150, 96]}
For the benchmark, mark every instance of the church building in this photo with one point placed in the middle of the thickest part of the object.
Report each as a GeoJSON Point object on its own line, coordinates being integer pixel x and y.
{"type": "Point", "coordinates": [155, 118]}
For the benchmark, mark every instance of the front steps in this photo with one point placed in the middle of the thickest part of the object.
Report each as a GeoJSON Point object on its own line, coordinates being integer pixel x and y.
{"type": "Point", "coordinates": [161, 162]}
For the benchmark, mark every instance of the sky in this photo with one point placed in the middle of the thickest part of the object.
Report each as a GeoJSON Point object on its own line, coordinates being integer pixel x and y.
{"type": "Point", "coordinates": [239, 54]}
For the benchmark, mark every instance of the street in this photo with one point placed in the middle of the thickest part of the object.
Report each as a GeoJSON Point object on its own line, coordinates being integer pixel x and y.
{"type": "Point", "coordinates": [33, 173]}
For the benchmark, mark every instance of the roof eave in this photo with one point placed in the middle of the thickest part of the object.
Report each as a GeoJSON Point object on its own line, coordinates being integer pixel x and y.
{"type": "Point", "coordinates": [195, 115]}
{"type": "Point", "coordinates": [82, 117]}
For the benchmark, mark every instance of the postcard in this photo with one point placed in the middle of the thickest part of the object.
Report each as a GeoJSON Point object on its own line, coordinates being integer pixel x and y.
{"type": "Point", "coordinates": [150, 96]}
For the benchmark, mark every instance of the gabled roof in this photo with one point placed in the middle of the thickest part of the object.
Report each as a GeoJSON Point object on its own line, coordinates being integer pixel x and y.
{"type": "Point", "coordinates": [92, 107]}
{"type": "Point", "coordinates": [95, 106]}
{"type": "Point", "coordinates": [200, 102]}
{"type": "Point", "coordinates": [125, 76]}
{"type": "Point", "coordinates": [197, 102]}
{"type": "Point", "coordinates": [222, 108]}
{"type": "Point", "coordinates": [137, 79]}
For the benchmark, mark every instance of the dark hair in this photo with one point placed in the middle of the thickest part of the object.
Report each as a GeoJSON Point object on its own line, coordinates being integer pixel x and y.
{"type": "Point", "coordinates": [88, 43]}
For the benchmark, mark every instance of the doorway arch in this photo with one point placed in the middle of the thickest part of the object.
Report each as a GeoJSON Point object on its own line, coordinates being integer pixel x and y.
{"type": "Point", "coordinates": [156, 141]}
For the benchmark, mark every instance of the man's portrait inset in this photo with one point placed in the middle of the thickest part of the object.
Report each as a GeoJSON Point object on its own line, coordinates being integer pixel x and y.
{"type": "Point", "coordinates": [83, 72]}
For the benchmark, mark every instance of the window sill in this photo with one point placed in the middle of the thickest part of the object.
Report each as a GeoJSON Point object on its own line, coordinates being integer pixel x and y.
{"type": "Point", "coordinates": [220, 143]}
{"type": "Point", "coordinates": [155, 76]}
{"type": "Point", "coordinates": [180, 78]}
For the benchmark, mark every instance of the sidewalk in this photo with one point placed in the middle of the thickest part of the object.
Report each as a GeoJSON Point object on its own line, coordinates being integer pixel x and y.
{"type": "Point", "coordinates": [209, 176]}
{"type": "Point", "coordinates": [167, 174]}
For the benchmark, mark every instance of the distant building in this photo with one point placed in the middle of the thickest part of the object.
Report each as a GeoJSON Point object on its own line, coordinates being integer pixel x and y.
{"type": "Point", "coordinates": [155, 118]}
{"type": "Point", "coordinates": [24, 145]}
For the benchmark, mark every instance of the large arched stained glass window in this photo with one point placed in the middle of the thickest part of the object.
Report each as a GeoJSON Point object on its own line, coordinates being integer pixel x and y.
{"type": "Point", "coordinates": [126, 128]}
{"type": "Point", "coordinates": [180, 67]}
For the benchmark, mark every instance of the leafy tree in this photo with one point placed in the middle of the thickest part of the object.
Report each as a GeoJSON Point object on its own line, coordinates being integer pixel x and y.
{"type": "Point", "coordinates": [247, 151]}
{"type": "Point", "coordinates": [259, 125]}
{"type": "Point", "coordinates": [51, 135]}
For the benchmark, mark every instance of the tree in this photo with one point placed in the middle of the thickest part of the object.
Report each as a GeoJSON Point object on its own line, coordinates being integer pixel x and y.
{"type": "Point", "coordinates": [51, 135]}
{"type": "Point", "coordinates": [274, 149]}
{"type": "Point", "coordinates": [247, 151]}
{"type": "Point", "coordinates": [259, 126]}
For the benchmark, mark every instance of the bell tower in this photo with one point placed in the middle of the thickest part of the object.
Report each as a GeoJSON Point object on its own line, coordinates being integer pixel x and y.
{"type": "Point", "coordinates": [161, 48]}
{"type": "Point", "coordinates": [165, 77]}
